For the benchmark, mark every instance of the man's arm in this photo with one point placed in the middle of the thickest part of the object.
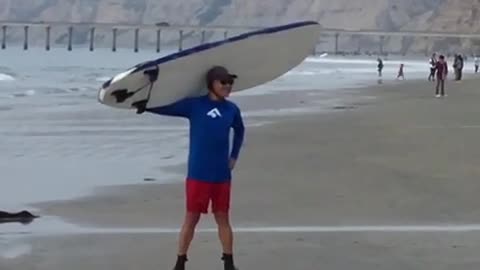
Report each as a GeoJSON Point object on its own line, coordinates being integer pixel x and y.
{"type": "Point", "coordinates": [239, 132]}
{"type": "Point", "coordinates": [180, 108]}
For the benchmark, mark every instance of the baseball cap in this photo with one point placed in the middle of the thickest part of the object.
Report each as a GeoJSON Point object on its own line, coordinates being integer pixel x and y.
{"type": "Point", "coordinates": [219, 73]}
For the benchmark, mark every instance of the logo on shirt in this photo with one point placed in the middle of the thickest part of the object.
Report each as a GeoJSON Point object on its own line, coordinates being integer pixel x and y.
{"type": "Point", "coordinates": [214, 113]}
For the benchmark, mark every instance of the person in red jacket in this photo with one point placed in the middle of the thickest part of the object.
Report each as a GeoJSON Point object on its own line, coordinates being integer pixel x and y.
{"type": "Point", "coordinates": [442, 71]}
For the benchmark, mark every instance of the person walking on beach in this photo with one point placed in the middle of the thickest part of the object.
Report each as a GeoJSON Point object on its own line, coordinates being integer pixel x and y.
{"type": "Point", "coordinates": [380, 67]}
{"type": "Point", "coordinates": [433, 66]}
{"type": "Point", "coordinates": [400, 72]}
{"type": "Point", "coordinates": [442, 72]}
{"type": "Point", "coordinates": [458, 66]}
{"type": "Point", "coordinates": [477, 63]}
{"type": "Point", "coordinates": [209, 163]}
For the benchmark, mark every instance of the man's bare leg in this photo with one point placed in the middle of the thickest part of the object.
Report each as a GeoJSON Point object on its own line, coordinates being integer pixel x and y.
{"type": "Point", "coordinates": [225, 234]}
{"type": "Point", "coordinates": [185, 238]}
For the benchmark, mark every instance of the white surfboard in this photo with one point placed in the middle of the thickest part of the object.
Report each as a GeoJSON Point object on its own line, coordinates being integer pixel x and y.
{"type": "Point", "coordinates": [256, 57]}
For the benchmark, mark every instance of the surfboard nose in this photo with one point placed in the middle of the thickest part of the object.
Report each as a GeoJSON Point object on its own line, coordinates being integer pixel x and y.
{"type": "Point", "coordinates": [107, 84]}
{"type": "Point", "coordinates": [101, 95]}
{"type": "Point", "coordinates": [103, 90]}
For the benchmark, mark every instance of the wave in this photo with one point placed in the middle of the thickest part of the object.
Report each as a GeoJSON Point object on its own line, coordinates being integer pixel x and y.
{"type": "Point", "coordinates": [6, 77]}
{"type": "Point", "coordinates": [103, 79]}
{"type": "Point", "coordinates": [304, 73]}
{"type": "Point", "coordinates": [25, 94]}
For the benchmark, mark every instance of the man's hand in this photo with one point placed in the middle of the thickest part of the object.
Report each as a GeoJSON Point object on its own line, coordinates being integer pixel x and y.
{"type": "Point", "coordinates": [140, 105]}
{"type": "Point", "coordinates": [232, 163]}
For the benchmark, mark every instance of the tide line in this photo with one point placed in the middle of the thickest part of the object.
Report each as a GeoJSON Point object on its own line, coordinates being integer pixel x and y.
{"type": "Point", "coordinates": [254, 229]}
{"type": "Point", "coordinates": [303, 229]}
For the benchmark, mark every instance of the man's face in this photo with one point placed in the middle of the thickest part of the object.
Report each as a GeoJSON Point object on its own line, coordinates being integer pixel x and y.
{"type": "Point", "coordinates": [223, 87]}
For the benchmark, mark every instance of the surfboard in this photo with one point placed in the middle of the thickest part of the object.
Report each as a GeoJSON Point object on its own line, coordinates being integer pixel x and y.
{"type": "Point", "coordinates": [255, 57]}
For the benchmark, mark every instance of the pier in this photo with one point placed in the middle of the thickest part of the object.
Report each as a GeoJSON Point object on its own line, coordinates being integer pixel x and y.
{"type": "Point", "coordinates": [113, 31]}
{"type": "Point", "coordinates": [8, 27]}
{"type": "Point", "coordinates": [382, 35]}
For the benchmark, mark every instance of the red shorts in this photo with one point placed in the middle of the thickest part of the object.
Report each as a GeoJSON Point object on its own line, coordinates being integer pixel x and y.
{"type": "Point", "coordinates": [199, 194]}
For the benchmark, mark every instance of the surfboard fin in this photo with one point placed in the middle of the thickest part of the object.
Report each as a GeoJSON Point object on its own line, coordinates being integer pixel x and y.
{"type": "Point", "coordinates": [141, 106]}
{"type": "Point", "coordinates": [122, 94]}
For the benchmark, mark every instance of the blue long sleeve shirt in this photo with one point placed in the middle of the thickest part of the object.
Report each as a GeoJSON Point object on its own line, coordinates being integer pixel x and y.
{"type": "Point", "coordinates": [210, 124]}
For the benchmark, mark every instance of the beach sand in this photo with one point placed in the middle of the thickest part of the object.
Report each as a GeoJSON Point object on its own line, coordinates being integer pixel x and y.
{"type": "Point", "coordinates": [403, 159]}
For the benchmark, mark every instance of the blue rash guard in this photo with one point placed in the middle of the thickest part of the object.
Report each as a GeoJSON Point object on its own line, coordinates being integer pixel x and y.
{"type": "Point", "coordinates": [210, 123]}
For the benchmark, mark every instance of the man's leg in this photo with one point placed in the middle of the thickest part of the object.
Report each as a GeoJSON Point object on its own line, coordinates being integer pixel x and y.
{"type": "Point", "coordinates": [443, 87]}
{"type": "Point", "coordinates": [225, 232]}
{"type": "Point", "coordinates": [221, 208]}
{"type": "Point", "coordinates": [187, 232]}
{"type": "Point", "coordinates": [437, 88]}
{"type": "Point", "coordinates": [185, 238]}
{"type": "Point", "coordinates": [197, 200]}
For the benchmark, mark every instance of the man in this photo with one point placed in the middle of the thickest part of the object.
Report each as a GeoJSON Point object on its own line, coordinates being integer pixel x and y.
{"type": "Point", "coordinates": [433, 65]}
{"type": "Point", "coordinates": [209, 163]}
{"type": "Point", "coordinates": [442, 71]}
{"type": "Point", "coordinates": [379, 66]}
{"type": "Point", "coordinates": [460, 66]}
{"type": "Point", "coordinates": [401, 72]}
{"type": "Point", "coordinates": [477, 63]}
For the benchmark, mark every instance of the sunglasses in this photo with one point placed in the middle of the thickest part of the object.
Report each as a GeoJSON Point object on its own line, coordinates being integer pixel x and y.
{"type": "Point", "coordinates": [226, 81]}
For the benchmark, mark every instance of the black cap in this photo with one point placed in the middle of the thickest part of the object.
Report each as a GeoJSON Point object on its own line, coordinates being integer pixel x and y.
{"type": "Point", "coordinates": [219, 73]}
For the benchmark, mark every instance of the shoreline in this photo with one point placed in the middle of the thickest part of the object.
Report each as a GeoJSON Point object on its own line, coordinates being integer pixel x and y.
{"type": "Point", "coordinates": [169, 194]}
{"type": "Point", "coordinates": [50, 135]}
{"type": "Point", "coordinates": [391, 184]}
{"type": "Point", "coordinates": [349, 99]}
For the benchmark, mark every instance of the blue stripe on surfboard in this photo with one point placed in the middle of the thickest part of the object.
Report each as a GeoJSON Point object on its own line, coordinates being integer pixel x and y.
{"type": "Point", "coordinates": [211, 45]}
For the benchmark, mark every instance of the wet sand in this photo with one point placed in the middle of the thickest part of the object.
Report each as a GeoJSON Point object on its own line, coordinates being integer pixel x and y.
{"type": "Point", "coordinates": [405, 159]}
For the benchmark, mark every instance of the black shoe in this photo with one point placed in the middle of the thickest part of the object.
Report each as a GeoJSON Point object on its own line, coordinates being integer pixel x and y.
{"type": "Point", "coordinates": [180, 265]}
{"type": "Point", "coordinates": [228, 262]}
{"type": "Point", "coordinates": [229, 267]}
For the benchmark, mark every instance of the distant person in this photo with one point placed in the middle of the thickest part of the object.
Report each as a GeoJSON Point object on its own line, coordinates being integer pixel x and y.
{"type": "Point", "coordinates": [380, 67]}
{"type": "Point", "coordinates": [210, 160]}
{"type": "Point", "coordinates": [442, 72]}
{"type": "Point", "coordinates": [400, 72]}
{"type": "Point", "coordinates": [458, 66]}
{"type": "Point", "coordinates": [433, 67]}
{"type": "Point", "coordinates": [454, 65]}
{"type": "Point", "coordinates": [477, 63]}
